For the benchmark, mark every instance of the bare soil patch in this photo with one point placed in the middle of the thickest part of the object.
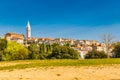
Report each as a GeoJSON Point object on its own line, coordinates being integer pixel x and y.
{"type": "Point", "coordinates": [63, 73]}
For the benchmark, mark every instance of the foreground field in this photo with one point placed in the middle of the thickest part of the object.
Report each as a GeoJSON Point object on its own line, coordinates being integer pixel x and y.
{"type": "Point", "coordinates": [96, 69]}
{"type": "Point", "coordinates": [10, 65]}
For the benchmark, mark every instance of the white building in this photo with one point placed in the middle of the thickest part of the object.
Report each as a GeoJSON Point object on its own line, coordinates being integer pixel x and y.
{"type": "Point", "coordinates": [19, 38]}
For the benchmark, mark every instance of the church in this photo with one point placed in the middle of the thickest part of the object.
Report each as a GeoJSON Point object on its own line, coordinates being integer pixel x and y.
{"type": "Point", "coordinates": [25, 39]}
{"type": "Point", "coordinates": [19, 38]}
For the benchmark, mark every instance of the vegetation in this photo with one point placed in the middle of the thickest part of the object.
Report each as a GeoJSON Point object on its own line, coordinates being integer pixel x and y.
{"type": "Point", "coordinates": [3, 46]}
{"type": "Point", "coordinates": [116, 50]}
{"type": "Point", "coordinates": [10, 50]}
{"type": "Point", "coordinates": [64, 52]}
{"type": "Point", "coordinates": [107, 39]}
{"type": "Point", "coordinates": [95, 55]}
{"type": "Point", "coordinates": [55, 51]}
{"type": "Point", "coordinates": [15, 51]}
{"type": "Point", "coordinates": [11, 65]}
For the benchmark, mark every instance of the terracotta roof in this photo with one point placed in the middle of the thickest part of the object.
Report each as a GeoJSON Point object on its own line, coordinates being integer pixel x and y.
{"type": "Point", "coordinates": [14, 36]}
{"type": "Point", "coordinates": [32, 39]}
{"type": "Point", "coordinates": [47, 39]}
{"type": "Point", "coordinates": [40, 39]}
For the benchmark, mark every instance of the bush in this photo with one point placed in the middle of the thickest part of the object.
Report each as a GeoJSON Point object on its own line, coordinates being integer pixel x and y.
{"type": "Point", "coordinates": [95, 55]}
{"type": "Point", "coordinates": [66, 56]}
{"type": "Point", "coordinates": [116, 50]}
{"type": "Point", "coordinates": [15, 51]}
{"type": "Point", "coordinates": [33, 51]}
{"type": "Point", "coordinates": [22, 54]}
{"type": "Point", "coordinates": [1, 55]}
{"type": "Point", "coordinates": [64, 52]}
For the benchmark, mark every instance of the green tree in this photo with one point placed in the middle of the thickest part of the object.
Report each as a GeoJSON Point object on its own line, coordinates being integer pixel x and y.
{"type": "Point", "coordinates": [34, 51]}
{"type": "Point", "coordinates": [67, 44]}
{"type": "Point", "coordinates": [56, 53]}
{"type": "Point", "coordinates": [55, 44]}
{"type": "Point", "coordinates": [116, 50]}
{"type": "Point", "coordinates": [74, 54]}
{"type": "Point", "coordinates": [15, 51]}
{"type": "Point", "coordinates": [64, 52]}
{"type": "Point", "coordinates": [49, 48]}
{"type": "Point", "coordinates": [95, 55]}
{"type": "Point", "coordinates": [3, 46]}
{"type": "Point", "coordinates": [43, 48]}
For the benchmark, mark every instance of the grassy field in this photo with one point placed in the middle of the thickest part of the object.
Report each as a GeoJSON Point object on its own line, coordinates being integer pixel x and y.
{"type": "Point", "coordinates": [10, 65]}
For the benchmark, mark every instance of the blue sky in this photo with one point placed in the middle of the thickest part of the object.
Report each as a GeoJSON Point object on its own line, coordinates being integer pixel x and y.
{"type": "Point", "coordinates": [78, 19]}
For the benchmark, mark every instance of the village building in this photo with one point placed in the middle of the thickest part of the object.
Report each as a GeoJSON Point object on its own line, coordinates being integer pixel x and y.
{"type": "Point", "coordinates": [82, 46]}
{"type": "Point", "coordinates": [19, 38]}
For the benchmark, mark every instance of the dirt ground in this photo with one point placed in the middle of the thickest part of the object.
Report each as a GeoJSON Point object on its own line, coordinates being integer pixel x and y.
{"type": "Point", "coordinates": [63, 73]}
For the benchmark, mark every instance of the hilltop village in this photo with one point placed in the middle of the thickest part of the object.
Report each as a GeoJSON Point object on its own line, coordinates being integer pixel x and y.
{"type": "Point", "coordinates": [82, 46]}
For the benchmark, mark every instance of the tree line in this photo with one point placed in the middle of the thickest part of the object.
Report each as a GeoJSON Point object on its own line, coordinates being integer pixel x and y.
{"type": "Point", "coordinates": [115, 53]}
{"type": "Point", "coordinates": [10, 50]}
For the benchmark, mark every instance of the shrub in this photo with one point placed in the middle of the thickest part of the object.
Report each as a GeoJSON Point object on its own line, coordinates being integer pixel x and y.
{"type": "Point", "coordinates": [1, 55]}
{"type": "Point", "coordinates": [64, 52]}
{"type": "Point", "coordinates": [116, 50]}
{"type": "Point", "coordinates": [66, 56]}
{"type": "Point", "coordinates": [95, 55]}
{"type": "Point", "coordinates": [15, 51]}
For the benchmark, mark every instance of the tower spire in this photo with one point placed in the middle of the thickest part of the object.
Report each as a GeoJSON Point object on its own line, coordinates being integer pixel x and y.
{"type": "Point", "coordinates": [28, 24]}
{"type": "Point", "coordinates": [28, 30]}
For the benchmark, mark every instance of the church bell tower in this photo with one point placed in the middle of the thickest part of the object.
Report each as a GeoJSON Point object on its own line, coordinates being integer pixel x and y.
{"type": "Point", "coordinates": [28, 30]}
